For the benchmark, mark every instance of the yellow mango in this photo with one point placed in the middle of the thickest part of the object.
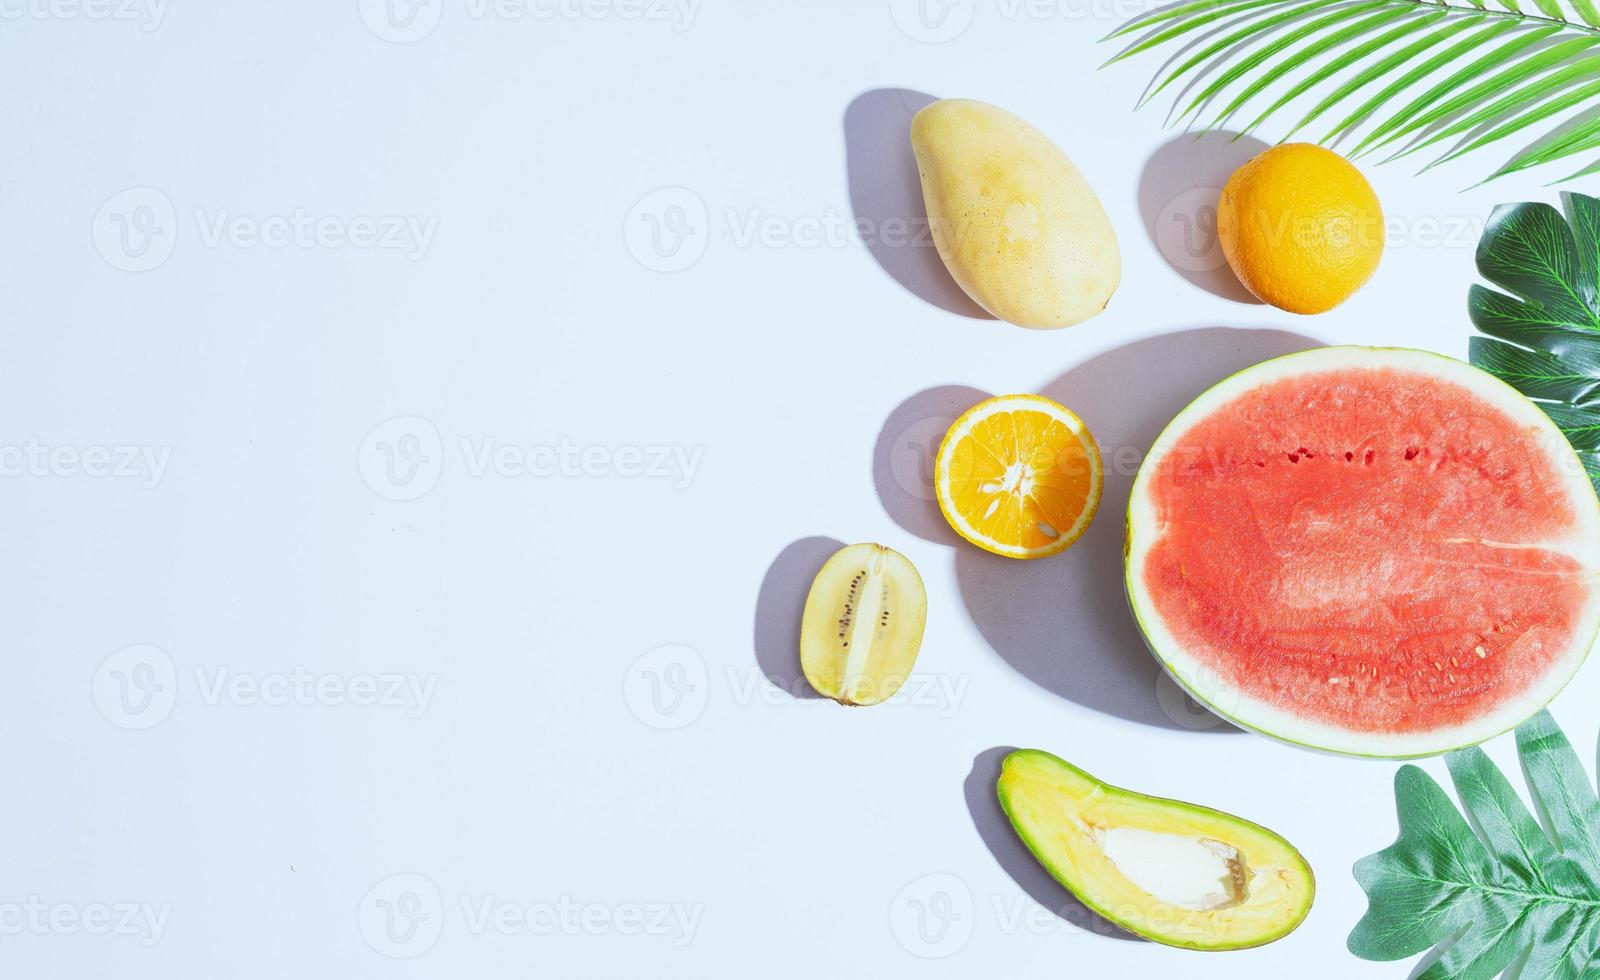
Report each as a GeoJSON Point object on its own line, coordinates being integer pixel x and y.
{"type": "Point", "coordinates": [1017, 225]}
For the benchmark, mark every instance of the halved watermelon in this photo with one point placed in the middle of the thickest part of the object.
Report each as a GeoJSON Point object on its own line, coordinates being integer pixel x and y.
{"type": "Point", "coordinates": [1371, 551]}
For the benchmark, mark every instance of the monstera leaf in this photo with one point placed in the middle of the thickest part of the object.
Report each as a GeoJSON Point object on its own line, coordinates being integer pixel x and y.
{"type": "Point", "coordinates": [1505, 893]}
{"type": "Point", "coordinates": [1451, 76]}
{"type": "Point", "coordinates": [1544, 330]}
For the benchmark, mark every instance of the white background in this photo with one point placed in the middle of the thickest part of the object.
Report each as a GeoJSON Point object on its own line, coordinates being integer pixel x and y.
{"type": "Point", "coordinates": [682, 812]}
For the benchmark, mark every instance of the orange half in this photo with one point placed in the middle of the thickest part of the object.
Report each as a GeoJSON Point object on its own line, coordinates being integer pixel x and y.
{"type": "Point", "coordinates": [1019, 475]}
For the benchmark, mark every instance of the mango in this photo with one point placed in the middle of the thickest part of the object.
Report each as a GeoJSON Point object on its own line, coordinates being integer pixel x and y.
{"type": "Point", "coordinates": [1017, 225]}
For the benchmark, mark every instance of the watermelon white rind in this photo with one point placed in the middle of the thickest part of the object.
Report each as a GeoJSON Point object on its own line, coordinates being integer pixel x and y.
{"type": "Point", "coordinates": [1405, 708]}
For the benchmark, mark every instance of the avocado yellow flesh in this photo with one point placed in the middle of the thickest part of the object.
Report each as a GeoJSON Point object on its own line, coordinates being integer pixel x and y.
{"type": "Point", "coordinates": [1175, 873]}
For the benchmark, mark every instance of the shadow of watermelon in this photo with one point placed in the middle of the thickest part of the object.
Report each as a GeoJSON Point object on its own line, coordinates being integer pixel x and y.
{"type": "Point", "coordinates": [1063, 622]}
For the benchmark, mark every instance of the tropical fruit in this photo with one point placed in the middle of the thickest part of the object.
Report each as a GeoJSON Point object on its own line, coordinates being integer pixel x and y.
{"type": "Point", "coordinates": [1372, 551]}
{"type": "Point", "coordinates": [1175, 873]}
{"type": "Point", "coordinates": [1018, 475]}
{"type": "Point", "coordinates": [1301, 227]}
{"type": "Point", "coordinates": [1017, 225]}
{"type": "Point", "coordinates": [862, 625]}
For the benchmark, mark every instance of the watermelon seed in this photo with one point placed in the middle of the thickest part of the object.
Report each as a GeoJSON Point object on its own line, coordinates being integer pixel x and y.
{"type": "Point", "coordinates": [1349, 456]}
{"type": "Point", "coordinates": [1480, 651]}
{"type": "Point", "coordinates": [1368, 459]}
{"type": "Point", "coordinates": [1412, 452]}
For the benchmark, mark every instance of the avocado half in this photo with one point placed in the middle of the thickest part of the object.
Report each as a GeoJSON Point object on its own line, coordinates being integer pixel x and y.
{"type": "Point", "coordinates": [1175, 873]}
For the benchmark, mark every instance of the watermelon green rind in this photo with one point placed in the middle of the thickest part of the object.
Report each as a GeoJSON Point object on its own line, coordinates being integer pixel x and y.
{"type": "Point", "coordinates": [1258, 716]}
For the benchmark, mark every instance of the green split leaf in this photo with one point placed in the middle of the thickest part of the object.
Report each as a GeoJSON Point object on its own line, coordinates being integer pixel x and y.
{"type": "Point", "coordinates": [1518, 65]}
{"type": "Point", "coordinates": [1502, 894]}
{"type": "Point", "coordinates": [1543, 330]}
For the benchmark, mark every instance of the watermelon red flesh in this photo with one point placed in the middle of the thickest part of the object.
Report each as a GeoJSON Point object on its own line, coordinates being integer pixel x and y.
{"type": "Point", "coordinates": [1377, 550]}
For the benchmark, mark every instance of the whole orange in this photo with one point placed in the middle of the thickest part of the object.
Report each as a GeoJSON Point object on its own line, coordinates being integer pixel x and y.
{"type": "Point", "coordinates": [1301, 227]}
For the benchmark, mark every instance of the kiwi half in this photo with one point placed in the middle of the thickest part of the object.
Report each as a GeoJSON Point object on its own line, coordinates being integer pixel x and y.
{"type": "Point", "coordinates": [863, 624]}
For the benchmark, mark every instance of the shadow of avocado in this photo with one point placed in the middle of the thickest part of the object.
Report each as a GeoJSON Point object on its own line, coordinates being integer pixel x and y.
{"type": "Point", "coordinates": [780, 605]}
{"type": "Point", "coordinates": [1063, 622]}
{"type": "Point", "coordinates": [1014, 858]}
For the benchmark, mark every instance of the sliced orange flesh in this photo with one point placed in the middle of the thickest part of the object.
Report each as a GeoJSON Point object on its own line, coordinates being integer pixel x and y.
{"type": "Point", "coordinates": [1019, 475]}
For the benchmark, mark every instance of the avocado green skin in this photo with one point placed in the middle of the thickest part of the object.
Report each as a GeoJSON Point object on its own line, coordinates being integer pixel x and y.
{"type": "Point", "coordinates": [1133, 604]}
{"type": "Point", "coordinates": [1061, 874]}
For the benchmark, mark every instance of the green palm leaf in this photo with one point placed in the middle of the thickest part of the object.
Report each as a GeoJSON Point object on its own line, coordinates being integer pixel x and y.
{"type": "Point", "coordinates": [1212, 10]}
{"type": "Point", "coordinates": [1593, 168]}
{"type": "Point", "coordinates": [1233, 40]}
{"type": "Point", "coordinates": [1305, 54]}
{"type": "Point", "coordinates": [1514, 46]}
{"type": "Point", "coordinates": [1584, 137]}
{"type": "Point", "coordinates": [1417, 72]}
{"type": "Point", "coordinates": [1526, 118]}
{"type": "Point", "coordinates": [1174, 12]}
{"type": "Point", "coordinates": [1503, 893]}
{"type": "Point", "coordinates": [1520, 71]}
{"type": "Point", "coordinates": [1442, 68]}
{"type": "Point", "coordinates": [1346, 60]}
